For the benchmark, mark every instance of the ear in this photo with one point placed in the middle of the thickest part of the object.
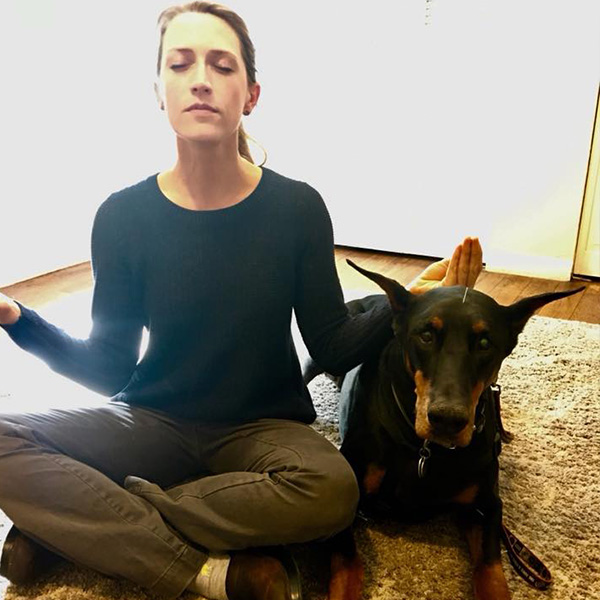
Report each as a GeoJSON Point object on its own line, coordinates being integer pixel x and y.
{"type": "Point", "coordinates": [252, 96]}
{"type": "Point", "coordinates": [398, 296]}
{"type": "Point", "coordinates": [520, 311]}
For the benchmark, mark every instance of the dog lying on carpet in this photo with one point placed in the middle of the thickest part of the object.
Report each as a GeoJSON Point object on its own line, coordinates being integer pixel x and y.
{"type": "Point", "coordinates": [421, 427]}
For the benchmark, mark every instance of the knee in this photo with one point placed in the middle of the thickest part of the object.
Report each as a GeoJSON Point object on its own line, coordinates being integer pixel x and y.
{"type": "Point", "coordinates": [12, 435]}
{"type": "Point", "coordinates": [334, 499]}
{"type": "Point", "coordinates": [12, 445]}
{"type": "Point", "coordinates": [7, 435]}
{"type": "Point", "coordinates": [341, 496]}
{"type": "Point", "coordinates": [16, 441]}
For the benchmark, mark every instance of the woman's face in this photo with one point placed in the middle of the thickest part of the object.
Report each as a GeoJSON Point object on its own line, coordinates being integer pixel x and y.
{"type": "Point", "coordinates": [202, 63]}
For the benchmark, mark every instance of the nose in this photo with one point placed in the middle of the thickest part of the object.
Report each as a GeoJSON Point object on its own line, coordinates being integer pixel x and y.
{"type": "Point", "coordinates": [447, 419]}
{"type": "Point", "coordinates": [201, 80]}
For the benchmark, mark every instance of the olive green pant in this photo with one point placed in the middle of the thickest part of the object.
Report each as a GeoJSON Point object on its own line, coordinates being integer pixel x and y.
{"type": "Point", "coordinates": [137, 494]}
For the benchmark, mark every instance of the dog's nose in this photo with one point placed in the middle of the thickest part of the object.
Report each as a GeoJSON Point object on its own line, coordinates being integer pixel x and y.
{"type": "Point", "coordinates": [447, 419]}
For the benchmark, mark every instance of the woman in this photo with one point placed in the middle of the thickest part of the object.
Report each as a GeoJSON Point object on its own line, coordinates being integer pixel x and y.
{"type": "Point", "coordinates": [211, 255]}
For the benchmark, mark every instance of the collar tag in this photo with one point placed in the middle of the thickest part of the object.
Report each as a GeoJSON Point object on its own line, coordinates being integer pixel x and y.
{"type": "Point", "coordinates": [424, 456]}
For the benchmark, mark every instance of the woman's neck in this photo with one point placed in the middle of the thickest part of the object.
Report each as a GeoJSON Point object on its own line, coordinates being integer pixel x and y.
{"type": "Point", "coordinates": [205, 179]}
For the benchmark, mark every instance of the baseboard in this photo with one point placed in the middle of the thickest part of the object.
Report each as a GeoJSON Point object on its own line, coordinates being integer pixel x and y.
{"type": "Point", "coordinates": [542, 267]}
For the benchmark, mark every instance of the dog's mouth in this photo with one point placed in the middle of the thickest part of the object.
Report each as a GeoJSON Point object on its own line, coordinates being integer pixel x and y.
{"type": "Point", "coordinates": [447, 442]}
{"type": "Point", "coordinates": [460, 440]}
{"type": "Point", "coordinates": [446, 433]}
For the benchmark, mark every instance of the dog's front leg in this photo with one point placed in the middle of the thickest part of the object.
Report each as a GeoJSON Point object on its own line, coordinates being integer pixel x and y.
{"type": "Point", "coordinates": [346, 567]}
{"type": "Point", "coordinates": [482, 525]}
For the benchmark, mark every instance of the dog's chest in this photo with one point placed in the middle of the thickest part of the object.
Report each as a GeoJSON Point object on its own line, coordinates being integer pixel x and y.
{"type": "Point", "coordinates": [412, 481]}
{"type": "Point", "coordinates": [445, 475]}
{"type": "Point", "coordinates": [421, 473]}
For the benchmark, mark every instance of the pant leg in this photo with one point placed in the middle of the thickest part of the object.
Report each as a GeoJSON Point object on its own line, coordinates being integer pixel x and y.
{"type": "Point", "coordinates": [276, 482]}
{"type": "Point", "coordinates": [61, 476]}
{"type": "Point", "coordinates": [348, 394]}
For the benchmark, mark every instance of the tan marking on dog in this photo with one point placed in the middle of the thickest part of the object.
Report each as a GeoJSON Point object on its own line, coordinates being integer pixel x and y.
{"type": "Point", "coordinates": [467, 496]}
{"type": "Point", "coordinates": [346, 578]}
{"type": "Point", "coordinates": [480, 326]}
{"type": "Point", "coordinates": [489, 582]}
{"type": "Point", "coordinates": [464, 437]}
{"type": "Point", "coordinates": [422, 424]}
{"type": "Point", "coordinates": [437, 323]}
{"type": "Point", "coordinates": [373, 478]}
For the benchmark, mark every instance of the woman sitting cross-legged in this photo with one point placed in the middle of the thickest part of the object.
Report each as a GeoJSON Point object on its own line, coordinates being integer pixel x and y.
{"type": "Point", "coordinates": [204, 452]}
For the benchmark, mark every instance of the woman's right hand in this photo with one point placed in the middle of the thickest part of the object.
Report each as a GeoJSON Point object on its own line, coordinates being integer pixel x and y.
{"type": "Point", "coordinates": [462, 269]}
{"type": "Point", "coordinates": [9, 310]}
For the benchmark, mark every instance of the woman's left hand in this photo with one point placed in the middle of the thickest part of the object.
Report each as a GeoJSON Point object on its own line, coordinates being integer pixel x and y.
{"type": "Point", "coordinates": [462, 269]}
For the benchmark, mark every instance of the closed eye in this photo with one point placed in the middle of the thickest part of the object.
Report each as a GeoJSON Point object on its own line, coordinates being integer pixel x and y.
{"type": "Point", "coordinates": [218, 67]}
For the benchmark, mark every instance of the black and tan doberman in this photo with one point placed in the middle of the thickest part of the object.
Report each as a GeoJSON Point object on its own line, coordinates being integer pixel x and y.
{"type": "Point", "coordinates": [420, 426]}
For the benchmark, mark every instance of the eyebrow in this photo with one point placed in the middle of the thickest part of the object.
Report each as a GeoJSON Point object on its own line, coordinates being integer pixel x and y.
{"type": "Point", "coordinates": [216, 51]}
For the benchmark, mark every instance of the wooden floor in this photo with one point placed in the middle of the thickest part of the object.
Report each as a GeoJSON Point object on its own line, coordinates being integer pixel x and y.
{"type": "Point", "coordinates": [505, 289]}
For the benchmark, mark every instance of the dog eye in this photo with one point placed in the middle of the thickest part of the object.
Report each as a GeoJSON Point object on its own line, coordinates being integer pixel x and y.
{"type": "Point", "coordinates": [484, 343]}
{"type": "Point", "coordinates": [426, 337]}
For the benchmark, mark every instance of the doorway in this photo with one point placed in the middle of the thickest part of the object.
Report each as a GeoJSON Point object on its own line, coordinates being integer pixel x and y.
{"type": "Point", "coordinates": [587, 256]}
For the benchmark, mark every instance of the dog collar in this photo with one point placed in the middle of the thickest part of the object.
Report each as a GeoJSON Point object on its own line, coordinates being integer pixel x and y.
{"type": "Point", "coordinates": [401, 408]}
{"type": "Point", "coordinates": [425, 449]}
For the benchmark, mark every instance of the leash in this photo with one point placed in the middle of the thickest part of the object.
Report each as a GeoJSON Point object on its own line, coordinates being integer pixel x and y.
{"type": "Point", "coordinates": [524, 561]}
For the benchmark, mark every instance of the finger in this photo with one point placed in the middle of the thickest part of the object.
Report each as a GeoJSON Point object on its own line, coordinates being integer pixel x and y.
{"type": "Point", "coordinates": [452, 272]}
{"type": "Point", "coordinates": [436, 271]}
{"type": "Point", "coordinates": [464, 264]}
{"type": "Point", "coordinates": [476, 264]}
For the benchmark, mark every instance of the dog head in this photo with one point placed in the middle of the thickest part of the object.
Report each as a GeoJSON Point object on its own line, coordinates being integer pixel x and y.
{"type": "Point", "coordinates": [452, 341]}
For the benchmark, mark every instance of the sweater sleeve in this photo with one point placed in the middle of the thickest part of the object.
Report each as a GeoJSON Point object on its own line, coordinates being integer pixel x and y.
{"type": "Point", "coordinates": [105, 361]}
{"type": "Point", "coordinates": [336, 341]}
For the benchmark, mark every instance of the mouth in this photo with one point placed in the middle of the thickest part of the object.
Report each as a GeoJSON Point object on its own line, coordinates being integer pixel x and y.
{"type": "Point", "coordinates": [460, 440]}
{"type": "Point", "coordinates": [447, 434]}
{"type": "Point", "coordinates": [203, 108]}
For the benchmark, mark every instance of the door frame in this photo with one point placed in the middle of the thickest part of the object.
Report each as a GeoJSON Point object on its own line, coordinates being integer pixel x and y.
{"type": "Point", "coordinates": [587, 254]}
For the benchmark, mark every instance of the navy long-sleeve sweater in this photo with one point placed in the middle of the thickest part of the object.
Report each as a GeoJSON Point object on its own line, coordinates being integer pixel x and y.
{"type": "Point", "coordinates": [216, 290]}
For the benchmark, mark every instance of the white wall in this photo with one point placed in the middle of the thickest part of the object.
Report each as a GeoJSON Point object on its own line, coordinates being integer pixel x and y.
{"type": "Point", "coordinates": [79, 120]}
{"type": "Point", "coordinates": [477, 123]}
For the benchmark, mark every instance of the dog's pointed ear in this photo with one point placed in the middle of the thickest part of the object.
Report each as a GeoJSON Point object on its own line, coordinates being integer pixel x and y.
{"type": "Point", "coordinates": [520, 312]}
{"type": "Point", "coordinates": [398, 295]}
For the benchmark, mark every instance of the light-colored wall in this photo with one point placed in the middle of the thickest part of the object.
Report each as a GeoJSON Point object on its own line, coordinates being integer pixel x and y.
{"type": "Point", "coordinates": [79, 121]}
{"type": "Point", "coordinates": [477, 123]}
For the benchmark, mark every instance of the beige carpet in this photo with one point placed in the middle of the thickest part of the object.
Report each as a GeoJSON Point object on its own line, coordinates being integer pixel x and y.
{"type": "Point", "coordinates": [550, 477]}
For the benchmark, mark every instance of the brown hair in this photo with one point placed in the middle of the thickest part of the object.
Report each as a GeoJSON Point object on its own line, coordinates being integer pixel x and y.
{"type": "Point", "coordinates": [247, 47]}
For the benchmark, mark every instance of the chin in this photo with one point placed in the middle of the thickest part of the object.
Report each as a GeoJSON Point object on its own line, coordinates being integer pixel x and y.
{"type": "Point", "coordinates": [208, 136]}
{"type": "Point", "coordinates": [461, 440]}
